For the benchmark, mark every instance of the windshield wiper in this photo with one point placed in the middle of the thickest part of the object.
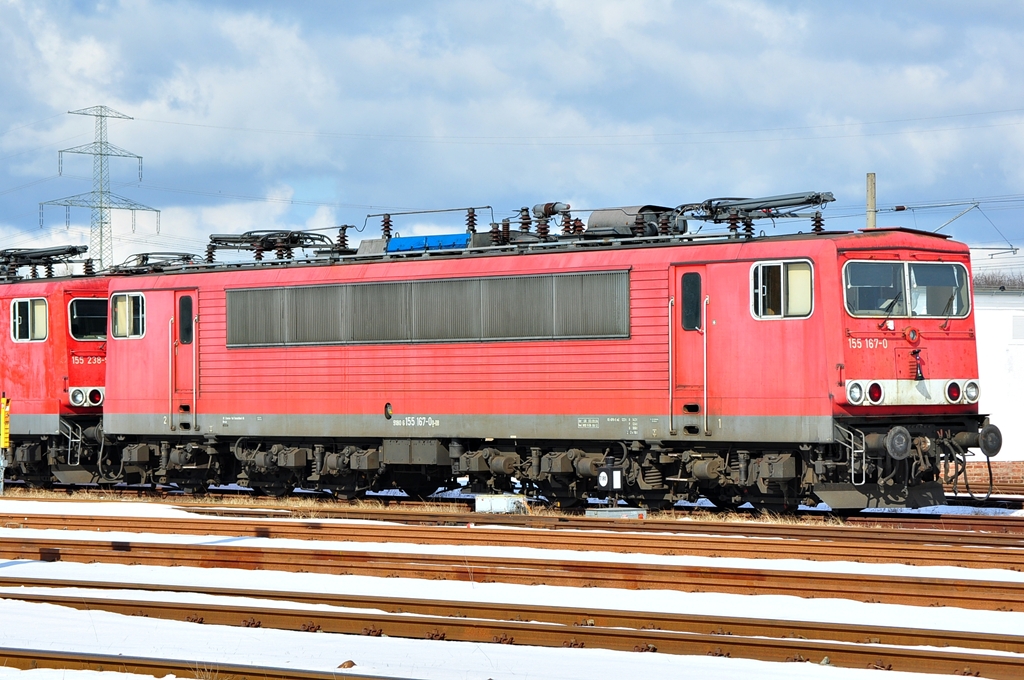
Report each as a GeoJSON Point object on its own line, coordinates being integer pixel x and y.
{"type": "Point", "coordinates": [948, 309]}
{"type": "Point", "coordinates": [889, 308]}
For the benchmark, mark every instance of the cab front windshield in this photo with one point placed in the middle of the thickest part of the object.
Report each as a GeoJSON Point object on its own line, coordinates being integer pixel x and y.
{"type": "Point", "coordinates": [880, 289]}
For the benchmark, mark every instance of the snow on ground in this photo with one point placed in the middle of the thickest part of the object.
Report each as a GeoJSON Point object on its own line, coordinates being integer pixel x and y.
{"type": "Point", "coordinates": [786, 607]}
{"type": "Point", "coordinates": [949, 510]}
{"type": "Point", "coordinates": [51, 627]}
{"type": "Point", "coordinates": [205, 645]}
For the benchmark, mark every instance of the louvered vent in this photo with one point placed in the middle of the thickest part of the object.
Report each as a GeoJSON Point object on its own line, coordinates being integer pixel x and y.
{"type": "Point", "coordinates": [380, 312]}
{"type": "Point", "coordinates": [517, 307]}
{"type": "Point", "coordinates": [315, 315]}
{"type": "Point", "coordinates": [446, 310]}
{"type": "Point", "coordinates": [552, 306]}
{"type": "Point", "coordinates": [591, 305]}
{"type": "Point", "coordinates": [255, 317]}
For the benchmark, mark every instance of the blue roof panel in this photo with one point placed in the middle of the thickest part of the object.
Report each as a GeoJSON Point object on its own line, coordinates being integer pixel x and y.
{"type": "Point", "coordinates": [404, 244]}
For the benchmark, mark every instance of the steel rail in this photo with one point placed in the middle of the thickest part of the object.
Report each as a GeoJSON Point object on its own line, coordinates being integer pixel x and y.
{"type": "Point", "coordinates": [972, 594]}
{"type": "Point", "coordinates": [998, 488]}
{"type": "Point", "coordinates": [31, 659]}
{"type": "Point", "coordinates": [304, 619]}
{"type": "Point", "coordinates": [964, 549]}
{"type": "Point", "coordinates": [1005, 524]}
{"type": "Point", "coordinates": [453, 512]}
{"type": "Point", "coordinates": [279, 524]}
{"type": "Point", "coordinates": [545, 634]}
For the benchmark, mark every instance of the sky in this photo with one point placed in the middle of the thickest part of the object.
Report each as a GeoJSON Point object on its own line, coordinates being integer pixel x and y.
{"type": "Point", "coordinates": [267, 115]}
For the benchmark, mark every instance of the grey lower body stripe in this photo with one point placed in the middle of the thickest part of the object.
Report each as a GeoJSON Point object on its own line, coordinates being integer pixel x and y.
{"type": "Point", "coordinates": [28, 425]}
{"type": "Point", "coordinates": [767, 429]}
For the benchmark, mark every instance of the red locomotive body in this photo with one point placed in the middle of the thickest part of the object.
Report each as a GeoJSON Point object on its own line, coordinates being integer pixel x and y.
{"type": "Point", "coordinates": [476, 364]}
{"type": "Point", "coordinates": [652, 367]}
{"type": "Point", "coordinates": [53, 356]}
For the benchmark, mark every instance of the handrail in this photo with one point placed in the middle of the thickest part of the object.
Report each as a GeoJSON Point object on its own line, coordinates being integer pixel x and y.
{"type": "Point", "coordinates": [704, 332]}
{"type": "Point", "coordinates": [671, 367]}
{"type": "Point", "coordinates": [195, 365]}
{"type": "Point", "coordinates": [170, 373]}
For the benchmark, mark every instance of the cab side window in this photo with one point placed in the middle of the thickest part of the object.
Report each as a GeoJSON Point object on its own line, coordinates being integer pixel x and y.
{"type": "Point", "coordinates": [29, 320]}
{"type": "Point", "coordinates": [128, 318]}
{"type": "Point", "coordinates": [691, 302]}
{"type": "Point", "coordinates": [88, 319]}
{"type": "Point", "coordinates": [781, 290]}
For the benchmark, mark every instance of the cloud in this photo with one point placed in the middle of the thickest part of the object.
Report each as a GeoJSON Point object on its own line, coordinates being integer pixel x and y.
{"type": "Point", "coordinates": [428, 105]}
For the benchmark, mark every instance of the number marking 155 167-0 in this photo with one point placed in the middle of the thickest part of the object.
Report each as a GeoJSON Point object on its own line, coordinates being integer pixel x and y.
{"type": "Point", "coordinates": [869, 343]}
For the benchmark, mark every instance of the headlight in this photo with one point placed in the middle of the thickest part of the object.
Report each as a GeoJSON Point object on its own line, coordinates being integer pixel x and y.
{"type": "Point", "coordinates": [77, 397]}
{"type": "Point", "coordinates": [855, 393]}
{"type": "Point", "coordinates": [971, 392]}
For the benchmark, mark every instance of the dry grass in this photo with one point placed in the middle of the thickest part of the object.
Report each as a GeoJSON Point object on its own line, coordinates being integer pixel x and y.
{"type": "Point", "coordinates": [320, 508]}
{"type": "Point", "coordinates": [763, 517]}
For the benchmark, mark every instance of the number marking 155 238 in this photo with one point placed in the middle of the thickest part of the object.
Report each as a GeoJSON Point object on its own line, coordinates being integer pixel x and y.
{"type": "Point", "coordinates": [88, 360]}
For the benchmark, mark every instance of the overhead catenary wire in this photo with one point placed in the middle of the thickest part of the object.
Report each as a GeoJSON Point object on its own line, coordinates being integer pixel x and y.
{"type": "Point", "coordinates": [554, 141]}
{"type": "Point", "coordinates": [506, 138]}
{"type": "Point", "coordinates": [35, 122]}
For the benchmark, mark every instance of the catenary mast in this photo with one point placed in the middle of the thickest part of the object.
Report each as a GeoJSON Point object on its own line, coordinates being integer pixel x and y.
{"type": "Point", "coordinates": [100, 199]}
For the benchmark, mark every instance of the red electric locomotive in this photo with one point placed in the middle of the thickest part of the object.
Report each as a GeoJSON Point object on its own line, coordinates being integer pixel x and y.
{"type": "Point", "coordinates": [53, 353]}
{"type": "Point", "coordinates": [634, 359]}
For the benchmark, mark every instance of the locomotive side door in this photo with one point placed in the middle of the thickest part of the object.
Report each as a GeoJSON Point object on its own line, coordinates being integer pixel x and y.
{"type": "Point", "coordinates": [183, 348]}
{"type": "Point", "coordinates": [688, 351]}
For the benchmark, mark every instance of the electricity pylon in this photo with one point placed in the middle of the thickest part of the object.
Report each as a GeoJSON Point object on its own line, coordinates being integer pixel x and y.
{"type": "Point", "coordinates": [100, 199]}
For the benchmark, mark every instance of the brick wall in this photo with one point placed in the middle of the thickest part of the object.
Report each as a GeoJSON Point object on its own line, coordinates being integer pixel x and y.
{"type": "Point", "coordinates": [1003, 472]}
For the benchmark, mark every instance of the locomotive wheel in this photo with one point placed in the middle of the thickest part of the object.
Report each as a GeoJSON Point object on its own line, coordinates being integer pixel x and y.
{"type": "Point", "coordinates": [345, 492]}
{"type": "Point", "coordinates": [655, 504]}
{"type": "Point", "coordinates": [419, 492]}
{"type": "Point", "coordinates": [726, 501]}
{"type": "Point", "coordinates": [416, 485]}
{"type": "Point", "coordinates": [273, 491]}
{"type": "Point", "coordinates": [563, 502]}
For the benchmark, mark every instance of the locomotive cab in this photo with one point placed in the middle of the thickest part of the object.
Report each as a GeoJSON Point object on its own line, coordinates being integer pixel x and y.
{"type": "Point", "coordinates": [906, 409]}
{"type": "Point", "coordinates": [52, 335]}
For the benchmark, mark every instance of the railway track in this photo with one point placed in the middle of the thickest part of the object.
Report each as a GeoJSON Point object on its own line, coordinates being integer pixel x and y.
{"type": "Point", "coordinates": [454, 511]}
{"type": "Point", "coordinates": [766, 640]}
{"type": "Point", "coordinates": [923, 547]}
{"type": "Point", "coordinates": [31, 659]}
{"type": "Point", "coordinates": [979, 488]}
{"type": "Point", "coordinates": [852, 646]}
{"type": "Point", "coordinates": [971, 594]}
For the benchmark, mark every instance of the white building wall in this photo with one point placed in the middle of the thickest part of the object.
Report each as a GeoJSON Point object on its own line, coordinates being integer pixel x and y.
{"type": "Point", "coordinates": [999, 319]}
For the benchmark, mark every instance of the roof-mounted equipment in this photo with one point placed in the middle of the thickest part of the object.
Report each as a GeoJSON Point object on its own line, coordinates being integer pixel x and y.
{"type": "Point", "coordinates": [282, 243]}
{"type": "Point", "coordinates": [635, 221]}
{"type": "Point", "coordinates": [392, 242]}
{"type": "Point", "coordinates": [735, 211]}
{"type": "Point", "coordinates": [147, 263]}
{"type": "Point", "coordinates": [12, 259]}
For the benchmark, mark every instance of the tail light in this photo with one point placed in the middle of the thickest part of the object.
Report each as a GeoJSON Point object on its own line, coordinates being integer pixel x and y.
{"type": "Point", "coordinates": [86, 396]}
{"type": "Point", "coordinates": [875, 393]}
{"type": "Point", "coordinates": [953, 392]}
